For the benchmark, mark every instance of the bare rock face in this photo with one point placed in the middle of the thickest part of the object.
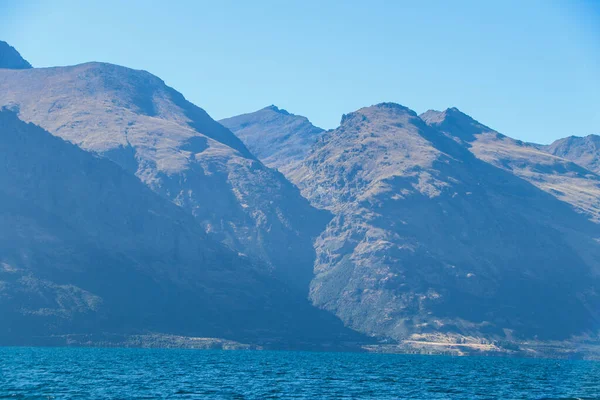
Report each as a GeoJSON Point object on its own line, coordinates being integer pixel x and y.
{"type": "Point", "coordinates": [584, 151]}
{"type": "Point", "coordinates": [279, 139]}
{"type": "Point", "coordinates": [429, 239]}
{"type": "Point", "coordinates": [86, 248]}
{"type": "Point", "coordinates": [174, 147]}
{"type": "Point", "coordinates": [10, 58]}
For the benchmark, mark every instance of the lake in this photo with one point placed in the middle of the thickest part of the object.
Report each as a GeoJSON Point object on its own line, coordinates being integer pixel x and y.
{"type": "Point", "coordinates": [88, 373]}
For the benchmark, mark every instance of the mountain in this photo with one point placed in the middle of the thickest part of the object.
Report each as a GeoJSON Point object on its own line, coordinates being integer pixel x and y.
{"type": "Point", "coordinates": [174, 147]}
{"type": "Point", "coordinates": [279, 139]}
{"type": "Point", "coordinates": [86, 248]}
{"type": "Point", "coordinates": [584, 151]}
{"type": "Point", "coordinates": [10, 58]}
{"type": "Point", "coordinates": [566, 180]}
{"type": "Point", "coordinates": [129, 211]}
{"type": "Point", "coordinates": [431, 244]}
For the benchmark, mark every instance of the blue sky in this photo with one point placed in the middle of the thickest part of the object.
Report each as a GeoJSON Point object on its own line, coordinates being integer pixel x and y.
{"type": "Point", "coordinates": [530, 69]}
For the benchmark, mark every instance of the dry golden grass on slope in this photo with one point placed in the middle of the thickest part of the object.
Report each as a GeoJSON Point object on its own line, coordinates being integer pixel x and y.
{"type": "Point", "coordinates": [563, 179]}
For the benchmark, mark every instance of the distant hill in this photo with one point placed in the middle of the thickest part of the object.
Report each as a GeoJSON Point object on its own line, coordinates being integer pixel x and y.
{"type": "Point", "coordinates": [279, 139]}
{"type": "Point", "coordinates": [584, 151]}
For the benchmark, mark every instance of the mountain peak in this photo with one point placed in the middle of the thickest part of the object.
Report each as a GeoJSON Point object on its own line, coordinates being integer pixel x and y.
{"type": "Point", "coordinates": [393, 107]}
{"type": "Point", "coordinates": [10, 58]}
{"type": "Point", "coordinates": [276, 109]}
{"type": "Point", "coordinates": [584, 151]}
{"type": "Point", "coordinates": [278, 138]}
{"type": "Point", "coordinates": [138, 93]}
{"type": "Point", "coordinates": [591, 141]}
{"type": "Point", "coordinates": [454, 122]}
{"type": "Point", "coordinates": [384, 110]}
{"type": "Point", "coordinates": [435, 116]}
{"type": "Point", "coordinates": [593, 138]}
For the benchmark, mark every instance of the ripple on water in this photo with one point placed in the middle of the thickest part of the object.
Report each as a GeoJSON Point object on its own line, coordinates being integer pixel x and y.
{"type": "Point", "coordinates": [190, 374]}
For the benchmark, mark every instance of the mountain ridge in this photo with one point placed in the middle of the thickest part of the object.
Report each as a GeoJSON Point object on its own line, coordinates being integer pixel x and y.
{"type": "Point", "coordinates": [11, 59]}
{"type": "Point", "coordinates": [582, 150]}
{"type": "Point", "coordinates": [564, 179]}
{"type": "Point", "coordinates": [97, 251]}
{"type": "Point", "coordinates": [423, 230]}
{"type": "Point", "coordinates": [406, 256]}
{"type": "Point", "coordinates": [149, 129]}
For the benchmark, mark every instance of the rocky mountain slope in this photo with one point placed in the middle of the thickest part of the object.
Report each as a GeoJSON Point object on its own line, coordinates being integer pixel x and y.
{"type": "Point", "coordinates": [584, 151]}
{"type": "Point", "coordinates": [158, 222]}
{"type": "Point", "coordinates": [279, 139]}
{"type": "Point", "coordinates": [10, 58]}
{"type": "Point", "coordinates": [85, 247]}
{"type": "Point", "coordinates": [430, 242]}
{"type": "Point", "coordinates": [567, 181]}
{"type": "Point", "coordinates": [152, 131]}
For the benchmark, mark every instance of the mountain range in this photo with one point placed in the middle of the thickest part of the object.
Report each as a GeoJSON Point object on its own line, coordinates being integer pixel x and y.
{"type": "Point", "coordinates": [128, 210]}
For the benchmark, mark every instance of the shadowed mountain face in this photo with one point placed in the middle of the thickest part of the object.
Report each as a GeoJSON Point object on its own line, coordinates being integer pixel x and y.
{"type": "Point", "coordinates": [584, 151]}
{"type": "Point", "coordinates": [429, 239]}
{"type": "Point", "coordinates": [10, 58]}
{"type": "Point", "coordinates": [86, 247]}
{"type": "Point", "coordinates": [279, 139]}
{"type": "Point", "coordinates": [565, 180]}
{"type": "Point", "coordinates": [150, 130]}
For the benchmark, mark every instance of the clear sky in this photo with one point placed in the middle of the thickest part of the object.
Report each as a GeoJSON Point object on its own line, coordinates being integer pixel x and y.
{"type": "Point", "coordinates": [527, 68]}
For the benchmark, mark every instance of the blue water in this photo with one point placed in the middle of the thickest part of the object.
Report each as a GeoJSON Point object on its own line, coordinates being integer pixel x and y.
{"type": "Point", "coordinates": [56, 373]}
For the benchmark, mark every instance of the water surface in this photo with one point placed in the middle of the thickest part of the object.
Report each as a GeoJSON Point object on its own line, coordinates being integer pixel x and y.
{"type": "Point", "coordinates": [82, 373]}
